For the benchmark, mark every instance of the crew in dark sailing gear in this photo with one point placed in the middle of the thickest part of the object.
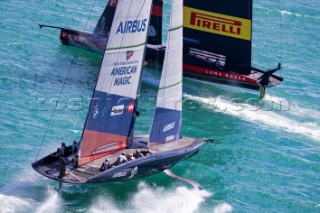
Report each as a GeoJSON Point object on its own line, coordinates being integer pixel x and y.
{"type": "Point", "coordinates": [105, 165]}
{"type": "Point", "coordinates": [62, 170]}
{"type": "Point", "coordinates": [58, 153]}
{"type": "Point", "coordinates": [63, 149]}
{"type": "Point", "coordinates": [75, 161]}
{"type": "Point", "coordinates": [121, 159]}
{"type": "Point", "coordinates": [138, 154]}
{"type": "Point", "coordinates": [130, 156]}
{"type": "Point", "coordinates": [147, 152]}
{"type": "Point", "coordinates": [74, 147]}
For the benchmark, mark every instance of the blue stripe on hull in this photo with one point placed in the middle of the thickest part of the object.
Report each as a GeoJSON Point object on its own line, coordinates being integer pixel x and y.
{"type": "Point", "coordinates": [108, 113]}
{"type": "Point", "coordinates": [166, 125]}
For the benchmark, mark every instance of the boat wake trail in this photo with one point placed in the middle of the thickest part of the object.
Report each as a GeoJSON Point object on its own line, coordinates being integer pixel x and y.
{"type": "Point", "coordinates": [155, 199]}
{"type": "Point", "coordinates": [278, 119]}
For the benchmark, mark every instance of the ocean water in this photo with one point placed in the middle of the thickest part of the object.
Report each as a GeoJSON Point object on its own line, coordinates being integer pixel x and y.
{"type": "Point", "coordinates": [266, 154]}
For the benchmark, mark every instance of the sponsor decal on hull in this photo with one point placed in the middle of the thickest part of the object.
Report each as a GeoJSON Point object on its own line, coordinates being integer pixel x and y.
{"type": "Point", "coordinates": [219, 74]}
{"type": "Point", "coordinates": [217, 23]}
{"type": "Point", "coordinates": [119, 174]}
{"type": "Point", "coordinates": [99, 42]}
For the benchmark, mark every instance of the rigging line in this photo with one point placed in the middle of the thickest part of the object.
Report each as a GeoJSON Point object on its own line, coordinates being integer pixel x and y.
{"type": "Point", "coordinates": [281, 36]}
{"type": "Point", "coordinates": [94, 3]}
{"type": "Point", "coordinates": [61, 90]}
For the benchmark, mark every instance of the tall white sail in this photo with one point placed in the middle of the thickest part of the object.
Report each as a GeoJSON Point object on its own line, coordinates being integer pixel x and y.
{"type": "Point", "coordinates": [167, 121]}
{"type": "Point", "coordinates": [111, 115]}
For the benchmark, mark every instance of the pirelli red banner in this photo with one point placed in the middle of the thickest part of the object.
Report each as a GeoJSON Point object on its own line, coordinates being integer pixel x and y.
{"type": "Point", "coordinates": [217, 23]}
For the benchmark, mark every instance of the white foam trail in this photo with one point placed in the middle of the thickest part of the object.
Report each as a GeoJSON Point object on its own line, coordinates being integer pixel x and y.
{"type": "Point", "coordinates": [223, 208]}
{"type": "Point", "coordinates": [293, 108]}
{"type": "Point", "coordinates": [276, 100]}
{"type": "Point", "coordinates": [156, 200]}
{"type": "Point", "coordinates": [12, 204]}
{"type": "Point", "coordinates": [51, 205]}
{"type": "Point", "coordinates": [252, 114]}
{"type": "Point", "coordinates": [283, 12]}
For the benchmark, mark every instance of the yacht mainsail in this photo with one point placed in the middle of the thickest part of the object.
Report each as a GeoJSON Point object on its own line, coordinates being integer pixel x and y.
{"type": "Point", "coordinates": [226, 25]}
{"type": "Point", "coordinates": [112, 110]}
{"type": "Point", "coordinates": [167, 119]}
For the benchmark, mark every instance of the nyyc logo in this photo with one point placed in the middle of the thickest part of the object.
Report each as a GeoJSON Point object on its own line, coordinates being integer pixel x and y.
{"type": "Point", "coordinates": [129, 54]}
{"type": "Point", "coordinates": [132, 26]}
{"type": "Point", "coordinates": [217, 23]}
{"type": "Point", "coordinates": [117, 110]}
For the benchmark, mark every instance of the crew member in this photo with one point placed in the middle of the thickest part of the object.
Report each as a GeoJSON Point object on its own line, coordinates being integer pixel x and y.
{"type": "Point", "coordinates": [121, 159]}
{"type": "Point", "coordinates": [105, 165]}
{"type": "Point", "coordinates": [138, 154]}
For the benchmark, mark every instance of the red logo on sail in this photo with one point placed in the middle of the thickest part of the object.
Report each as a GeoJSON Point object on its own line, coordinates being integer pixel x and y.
{"type": "Point", "coordinates": [216, 23]}
{"type": "Point", "coordinates": [129, 54]}
{"type": "Point", "coordinates": [131, 107]}
{"type": "Point", "coordinates": [113, 3]}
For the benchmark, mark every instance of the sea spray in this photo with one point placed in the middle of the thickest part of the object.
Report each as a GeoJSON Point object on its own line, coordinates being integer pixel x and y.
{"type": "Point", "coordinates": [51, 204]}
{"type": "Point", "coordinates": [154, 199]}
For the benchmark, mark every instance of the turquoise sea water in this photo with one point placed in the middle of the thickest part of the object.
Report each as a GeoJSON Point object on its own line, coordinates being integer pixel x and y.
{"type": "Point", "coordinates": [266, 154]}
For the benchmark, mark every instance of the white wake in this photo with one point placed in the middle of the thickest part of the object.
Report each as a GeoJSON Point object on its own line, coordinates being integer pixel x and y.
{"type": "Point", "coordinates": [10, 204]}
{"type": "Point", "coordinates": [155, 200]}
{"type": "Point", "coordinates": [261, 116]}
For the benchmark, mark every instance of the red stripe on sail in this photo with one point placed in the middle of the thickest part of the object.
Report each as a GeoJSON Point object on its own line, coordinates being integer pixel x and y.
{"type": "Point", "coordinates": [95, 145]}
{"type": "Point", "coordinates": [156, 10]}
{"type": "Point", "coordinates": [220, 74]}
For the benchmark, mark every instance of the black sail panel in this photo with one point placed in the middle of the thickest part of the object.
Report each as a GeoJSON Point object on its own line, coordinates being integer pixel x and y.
{"type": "Point", "coordinates": [217, 34]}
{"type": "Point", "coordinates": [155, 28]}
{"type": "Point", "coordinates": [104, 24]}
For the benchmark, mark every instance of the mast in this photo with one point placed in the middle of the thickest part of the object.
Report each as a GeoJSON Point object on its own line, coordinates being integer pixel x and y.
{"type": "Point", "coordinates": [112, 108]}
{"type": "Point", "coordinates": [167, 122]}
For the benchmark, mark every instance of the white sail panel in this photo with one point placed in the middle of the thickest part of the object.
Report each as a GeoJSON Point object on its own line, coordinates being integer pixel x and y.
{"type": "Point", "coordinates": [129, 27]}
{"type": "Point", "coordinates": [170, 90]}
{"type": "Point", "coordinates": [124, 52]}
{"type": "Point", "coordinates": [167, 119]}
{"type": "Point", "coordinates": [121, 70]}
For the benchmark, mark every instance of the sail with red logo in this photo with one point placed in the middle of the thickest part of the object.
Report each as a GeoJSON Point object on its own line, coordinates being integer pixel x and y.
{"type": "Point", "coordinates": [112, 110]}
{"type": "Point", "coordinates": [217, 44]}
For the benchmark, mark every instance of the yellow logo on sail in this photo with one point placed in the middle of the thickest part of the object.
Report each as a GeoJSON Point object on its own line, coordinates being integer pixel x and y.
{"type": "Point", "coordinates": [217, 23]}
